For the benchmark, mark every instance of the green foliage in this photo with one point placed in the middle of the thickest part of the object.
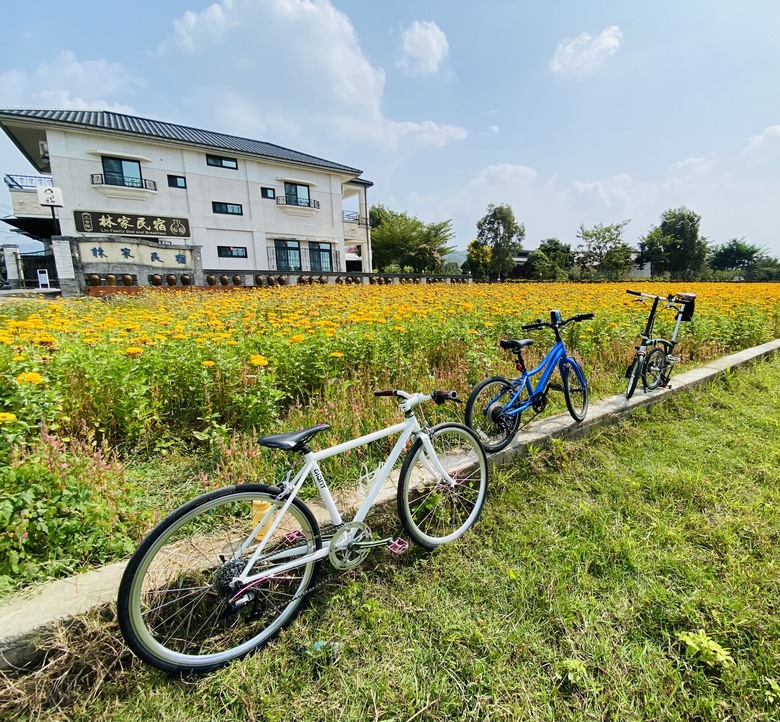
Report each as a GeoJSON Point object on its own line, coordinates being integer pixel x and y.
{"type": "Point", "coordinates": [603, 253]}
{"type": "Point", "coordinates": [700, 647]}
{"type": "Point", "coordinates": [499, 230]}
{"type": "Point", "coordinates": [478, 261]}
{"type": "Point", "coordinates": [398, 238]}
{"type": "Point", "coordinates": [552, 261]}
{"type": "Point", "coordinates": [63, 508]}
{"type": "Point", "coordinates": [674, 247]}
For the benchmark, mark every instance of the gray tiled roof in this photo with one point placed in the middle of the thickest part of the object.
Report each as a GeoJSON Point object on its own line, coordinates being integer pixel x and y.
{"type": "Point", "coordinates": [119, 122]}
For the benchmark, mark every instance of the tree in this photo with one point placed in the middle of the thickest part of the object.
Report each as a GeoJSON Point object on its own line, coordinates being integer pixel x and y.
{"type": "Point", "coordinates": [675, 247]}
{"type": "Point", "coordinates": [736, 255]}
{"type": "Point", "coordinates": [477, 263]}
{"type": "Point", "coordinates": [499, 230]}
{"type": "Point", "coordinates": [398, 238]}
{"type": "Point", "coordinates": [604, 253]}
{"type": "Point", "coordinates": [551, 261]}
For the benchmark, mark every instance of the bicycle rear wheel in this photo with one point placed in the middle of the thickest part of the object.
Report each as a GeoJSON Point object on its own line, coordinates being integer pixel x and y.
{"type": "Point", "coordinates": [654, 368]}
{"type": "Point", "coordinates": [177, 607]}
{"type": "Point", "coordinates": [433, 509]}
{"type": "Point", "coordinates": [575, 389]}
{"type": "Point", "coordinates": [486, 413]}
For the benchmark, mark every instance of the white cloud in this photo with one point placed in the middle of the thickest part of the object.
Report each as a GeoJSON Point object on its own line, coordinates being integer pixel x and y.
{"type": "Point", "coordinates": [424, 47]}
{"type": "Point", "coordinates": [764, 144]}
{"type": "Point", "coordinates": [582, 55]}
{"type": "Point", "coordinates": [307, 82]}
{"type": "Point", "coordinates": [67, 82]}
{"type": "Point", "coordinates": [506, 175]}
{"type": "Point", "coordinates": [618, 188]}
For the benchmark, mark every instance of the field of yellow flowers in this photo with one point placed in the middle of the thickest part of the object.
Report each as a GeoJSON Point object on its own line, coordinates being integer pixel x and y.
{"type": "Point", "coordinates": [157, 366]}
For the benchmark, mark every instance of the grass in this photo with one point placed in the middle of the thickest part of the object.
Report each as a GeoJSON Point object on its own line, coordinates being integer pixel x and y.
{"type": "Point", "coordinates": [629, 575]}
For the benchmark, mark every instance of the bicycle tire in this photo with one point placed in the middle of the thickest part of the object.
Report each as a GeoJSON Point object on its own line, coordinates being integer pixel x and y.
{"type": "Point", "coordinates": [485, 414]}
{"type": "Point", "coordinates": [654, 369]}
{"type": "Point", "coordinates": [575, 389]}
{"type": "Point", "coordinates": [633, 375]}
{"type": "Point", "coordinates": [432, 511]}
{"type": "Point", "coordinates": [174, 607]}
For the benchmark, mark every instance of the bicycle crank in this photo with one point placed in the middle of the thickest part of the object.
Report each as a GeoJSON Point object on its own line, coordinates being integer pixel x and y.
{"type": "Point", "coordinates": [350, 545]}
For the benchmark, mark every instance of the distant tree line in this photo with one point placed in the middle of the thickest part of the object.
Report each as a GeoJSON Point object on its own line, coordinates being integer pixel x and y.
{"type": "Point", "coordinates": [674, 250]}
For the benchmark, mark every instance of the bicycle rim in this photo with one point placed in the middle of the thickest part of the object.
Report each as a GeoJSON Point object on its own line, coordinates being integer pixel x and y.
{"type": "Point", "coordinates": [633, 377]}
{"type": "Point", "coordinates": [177, 609]}
{"type": "Point", "coordinates": [433, 509]}
{"type": "Point", "coordinates": [575, 389]}
{"type": "Point", "coordinates": [486, 414]}
{"type": "Point", "coordinates": [654, 369]}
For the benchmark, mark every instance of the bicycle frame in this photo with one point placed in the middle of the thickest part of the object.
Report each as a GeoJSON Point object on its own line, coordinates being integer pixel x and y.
{"type": "Point", "coordinates": [523, 382]}
{"type": "Point", "coordinates": [647, 338]}
{"type": "Point", "coordinates": [407, 429]}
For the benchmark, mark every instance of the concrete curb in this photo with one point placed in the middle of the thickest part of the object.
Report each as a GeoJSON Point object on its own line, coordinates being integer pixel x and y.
{"type": "Point", "coordinates": [26, 619]}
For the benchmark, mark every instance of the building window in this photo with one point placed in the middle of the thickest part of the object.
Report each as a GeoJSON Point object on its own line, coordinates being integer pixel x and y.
{"type": "Point", "coordinates": [122, 172]}
{"type": "Point", "coordinates": [177, 181]}
{"type": "Point", "coordinates": [320, 257]}
{"type": "Point", "coordinates": [288, 255]}
{"type": "Point", "coordinates": [296, 195]}
{"type": "Point", "coordinates": [267, 193]}
{"type": "Point", "coordinates": [232, 209]}
{"type": "Point", "coordinates": [231, 252]}
{"type": "Point", "coordinates": [220, 162]}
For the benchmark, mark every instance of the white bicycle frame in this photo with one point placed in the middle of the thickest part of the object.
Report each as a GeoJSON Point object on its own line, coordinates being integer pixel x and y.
{"type": "Point", "coordinates": [407, 429]}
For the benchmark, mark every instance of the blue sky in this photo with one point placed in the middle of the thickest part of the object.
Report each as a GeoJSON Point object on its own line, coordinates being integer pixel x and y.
{"type": "Point", "coordinates": [572, 112]}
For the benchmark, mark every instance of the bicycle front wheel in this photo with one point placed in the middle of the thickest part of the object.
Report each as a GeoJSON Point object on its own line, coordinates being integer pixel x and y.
{"type": "Point", "coordinates": [486, 413]}
{"type": "Point", "coordinates": [433, 508]}
{"type": "Point", "coordinates": [634, 371]}
{"type": "Point", "coordinates": [654, 368]}
{"type": "Point", "coordinates": [178, 607]}
{"type": "Point", "coordinates": [575, 389]}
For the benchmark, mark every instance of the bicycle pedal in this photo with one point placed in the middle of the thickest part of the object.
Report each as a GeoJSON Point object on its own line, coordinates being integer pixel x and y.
{"type": "Point", "coordinates": [398, 546]}
{"type": "Point", "coordinates": [293, 536]}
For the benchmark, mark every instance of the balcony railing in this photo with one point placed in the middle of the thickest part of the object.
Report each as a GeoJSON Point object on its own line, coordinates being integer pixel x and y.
{"type": "Point", "coordinates": [354, 217]}
{"type": "Point", "coordinates": [296, 201]}
{"type": "Point", "coordinates": [112, 179]}
{"type": "Point", "coordinates": [26, 181]}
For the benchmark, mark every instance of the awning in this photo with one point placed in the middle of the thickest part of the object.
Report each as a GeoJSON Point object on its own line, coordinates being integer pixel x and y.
{"type": "Point", "coordinates": [41, 229]}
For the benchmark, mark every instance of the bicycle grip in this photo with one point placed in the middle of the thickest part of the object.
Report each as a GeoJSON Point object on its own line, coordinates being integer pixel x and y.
{"type": "Point", "coordinates": [389, 392]}
{"type": "Point", "coordinates": [439, 397]}
{"type": "Point", "coordinates": [634, 293]}
{"type": "Point", "coordinates": [535, 326]}
{"type": "Point", "coordinates": [584, 316]}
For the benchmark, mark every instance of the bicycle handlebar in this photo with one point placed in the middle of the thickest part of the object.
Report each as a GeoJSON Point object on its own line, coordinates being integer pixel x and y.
{"type": "Point", "coordinates": [670, 297]}
{"type": "Point", "coordinates": [539, 324]}
{"type": "Point", "coordinates": [438, 397]}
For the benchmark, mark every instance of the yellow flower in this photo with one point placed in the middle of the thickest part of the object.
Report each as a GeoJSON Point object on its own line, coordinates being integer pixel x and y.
{"type": "Point", "coordinates": [29, 377]}
{"type": "Point", "coordinates": [133, 351]}
{"type": "Point", "coordinates": [336, 354]}
{"type": "Point", "coordinates": [209, 363]}
{"type": "Point", "coordinates": [257, 359]}
{"type": "Point", "coordinates": [297, 338]}
{"type": "Point", "coordinates": [6, 416]}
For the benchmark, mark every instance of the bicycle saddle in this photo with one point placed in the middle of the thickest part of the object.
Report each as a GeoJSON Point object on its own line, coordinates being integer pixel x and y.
{"type": "Point", "coordinates": [293, 441]}
{"type": "Point", "coordinates": [684, 297]}
{"type": "Point", "coordinates": [516, 345]}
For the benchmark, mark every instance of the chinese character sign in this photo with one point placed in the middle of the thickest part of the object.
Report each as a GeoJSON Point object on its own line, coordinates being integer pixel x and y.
{"type": "Point", "coordinates": [138, 254]}
{"type": "Point", "coordinates": [130, 224]}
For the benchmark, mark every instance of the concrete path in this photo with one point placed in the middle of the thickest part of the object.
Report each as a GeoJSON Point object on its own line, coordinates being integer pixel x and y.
{"type": "Point", "coordinates": [25, 618]}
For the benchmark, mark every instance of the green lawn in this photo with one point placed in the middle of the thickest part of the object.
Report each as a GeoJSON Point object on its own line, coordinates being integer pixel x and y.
{"type": "Point", "coordinates": [572, 599]}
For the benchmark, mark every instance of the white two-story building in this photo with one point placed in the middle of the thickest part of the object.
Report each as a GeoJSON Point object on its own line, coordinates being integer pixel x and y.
{"type": "Point", "coordinates": [247, 205]}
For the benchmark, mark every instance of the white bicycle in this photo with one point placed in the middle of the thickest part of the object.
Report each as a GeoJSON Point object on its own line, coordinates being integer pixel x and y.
{"type": "Point", "coordinates": [225, 572]}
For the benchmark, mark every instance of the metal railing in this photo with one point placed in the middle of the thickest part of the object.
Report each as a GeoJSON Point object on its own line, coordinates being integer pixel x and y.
{"type": "Point", "coordinates": [295, 201]}
{"type": "Point", "coordinates": [26, 181]}
{"type": "Point", "coordinates": [354, 217]}
{"type": "Point", "coordinates": [291, 260]}
{"type": "Point", "coordinates": [115, 179]}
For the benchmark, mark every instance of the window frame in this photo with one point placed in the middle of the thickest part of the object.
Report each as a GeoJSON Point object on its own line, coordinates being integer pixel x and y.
{"type": "Point", "coordinates": [181, 178]}
{"type": "Point", "coordinates": [268, 193]}
{"type": "Point", "coordinates": [217, 206]}
{"type": "Point", "coordinates": [283, 248]}
{"type": "Point", "coordinates": [221, 161]}
{"type": "Point", "coordinates": [138, 181]}
{"type": "Point", "coordinates": [290, 185]}
{"type": "Point", "coordinates": [231, 252]}
{"type": "Point", "coordinates": [318, 250]}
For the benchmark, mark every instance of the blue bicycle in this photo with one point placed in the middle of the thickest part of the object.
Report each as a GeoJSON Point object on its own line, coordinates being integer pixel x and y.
{"type": "Point", "coordinates": [495, 405]}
